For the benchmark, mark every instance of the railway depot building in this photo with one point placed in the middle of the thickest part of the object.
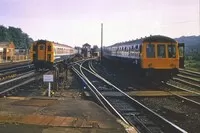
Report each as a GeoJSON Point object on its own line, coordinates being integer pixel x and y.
{"type": "Point", "coordinates": [86, 50]}
{"type": "Point", "coordinates": [7, 51]}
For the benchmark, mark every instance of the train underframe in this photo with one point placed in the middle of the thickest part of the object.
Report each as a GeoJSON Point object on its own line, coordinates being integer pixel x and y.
{"type": "Point", "coordinates": [138, 72]}
{"type": "Point", "coordinates": [42, 65]}
{"type": "Point", "coordinates": [158, 74]}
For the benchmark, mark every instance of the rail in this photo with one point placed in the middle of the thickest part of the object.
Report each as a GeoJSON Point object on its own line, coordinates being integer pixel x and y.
{"type": "Point", "coordinates": [175, 127]}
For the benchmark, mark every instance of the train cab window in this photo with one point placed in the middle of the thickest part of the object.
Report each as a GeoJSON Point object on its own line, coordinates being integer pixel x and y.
{"type": "Point", "coordinates": [136, 47]}
{"type": "Point", "coordinates": [161, 51]}
{"type": "Point", "coordinates": [41, 47]}
{"type": "Point", "coordinates": [150, 50]}
{"type": "Point", "coordinates": [181, 51]}
{"type": "Point", "coordinates": [49, 48]}
{"type": "Point", "coordinates": [140, 48]}
{"type": "Point", "coordinates": [171, 51]}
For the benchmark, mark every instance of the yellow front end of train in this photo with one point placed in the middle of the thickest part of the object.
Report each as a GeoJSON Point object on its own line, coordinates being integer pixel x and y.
{"type": "Point", "coordinates": [42, 54]}
{"type": "Point", "coordinates": [161, 59]}
{"type": "Point", "coordinates": [160, 56]}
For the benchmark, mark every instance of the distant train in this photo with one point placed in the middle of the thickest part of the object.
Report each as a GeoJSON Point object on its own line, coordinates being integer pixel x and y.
{"type": "Point", "coordinates": [44, 54]}
{"type": "Point", "coordinates": [155, 56]}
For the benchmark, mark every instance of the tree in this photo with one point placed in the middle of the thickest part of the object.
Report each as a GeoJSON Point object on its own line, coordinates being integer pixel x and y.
{"type": "Point", "coordinates": [4, 35]}
{"type": "Point", "coordinates": [16, 35]}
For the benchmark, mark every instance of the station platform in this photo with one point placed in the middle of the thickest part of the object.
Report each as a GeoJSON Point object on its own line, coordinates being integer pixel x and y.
{"type": "Point", "coordinates": [56, 115]}
{"type": "Point", "coordinates": [13, 64]}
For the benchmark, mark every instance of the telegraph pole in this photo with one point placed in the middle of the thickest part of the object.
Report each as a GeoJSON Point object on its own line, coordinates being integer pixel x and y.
{"type": "Point", "coordinates": [101, 42]}
{"type": "Point", "coordinates": [199, 17]}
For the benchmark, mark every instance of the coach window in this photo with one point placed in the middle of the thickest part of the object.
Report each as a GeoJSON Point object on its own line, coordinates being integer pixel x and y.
{"type": "Point", "coordinates": [161, 51]}
{"type": "Point", "coordinates": [150, 50]}
{"type": "Point", "coordinates": [49, 48]}
{"type": "Point", "coordinates": [171, 51]}
{"type": "Point", "coordinates": [136, 47]}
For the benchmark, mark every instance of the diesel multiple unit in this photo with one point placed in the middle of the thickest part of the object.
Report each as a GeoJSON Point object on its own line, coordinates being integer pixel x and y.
{"type": "Point", "coordinates": [149, 55]}
{"type": "Point", "coordinates": [44, 54]}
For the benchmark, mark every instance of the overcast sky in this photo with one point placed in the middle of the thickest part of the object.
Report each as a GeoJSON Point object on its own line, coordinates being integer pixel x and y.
{"type": "Point", "coordinates": [75, 22]}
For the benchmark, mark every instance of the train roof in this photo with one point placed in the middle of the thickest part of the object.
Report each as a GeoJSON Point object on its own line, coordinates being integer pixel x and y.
{"type": "Point", "coordinates": [58, 44]}
{"type": "Point", "coordinates": [63, 45]}
{"type": "Point", "coordinates": [155, 38]}
{"type": "Point", "coordinates": [159, 38]}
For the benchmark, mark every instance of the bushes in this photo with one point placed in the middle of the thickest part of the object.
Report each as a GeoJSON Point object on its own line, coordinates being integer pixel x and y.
{"type": "Point", "coordinates": [192, 65]}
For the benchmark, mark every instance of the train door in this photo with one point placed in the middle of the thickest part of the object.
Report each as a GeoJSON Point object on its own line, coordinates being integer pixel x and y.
{"type": "Point", "coordinates": [41, 52]}
{"type": "Point", "coordinates": [181, 47]}
{"type": "Point", "coordinates": [4, 53]}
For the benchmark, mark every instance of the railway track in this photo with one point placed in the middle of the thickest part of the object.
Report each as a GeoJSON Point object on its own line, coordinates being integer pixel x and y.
{"type": "Point", "coordinates": [176, 105]}
{"type": "Point", "coordinates": [26, 82]}
{"type": "Point", "coordinates": [193, 98]}
{"type": "Point", "coordinates": [190, 73]}
{"type": "Point", "coordinates": [125, 107]}
{"type": "Point", "coordinates": [10, 73]}
{"type": "Point", "coordinates": [11, 68]}
{"type": "Point", "coordinates": [9, 86]}
{"type": "Point", "coordinates": [187, 81]}
{"type": "Point", "coordinates": [23, 82]}
{"type": "Point", "coordinates": [188, 77]}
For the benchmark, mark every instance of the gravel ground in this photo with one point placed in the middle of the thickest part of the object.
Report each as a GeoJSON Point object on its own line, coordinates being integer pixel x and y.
{"type": "Point", "coordinates": [174, 110]}
{"type": "Point", "coordinates": [35, 88]}
{"type": "Point", "coordinates": [72, 88]}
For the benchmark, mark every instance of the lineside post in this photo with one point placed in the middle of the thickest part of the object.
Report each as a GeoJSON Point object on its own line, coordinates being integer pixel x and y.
{"type": "Point", "coordinates": [49, 90]}
{"type": "Point", "coordinates": [48, 78]}
{"type": "Point", "coordinates": [101, 42]}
